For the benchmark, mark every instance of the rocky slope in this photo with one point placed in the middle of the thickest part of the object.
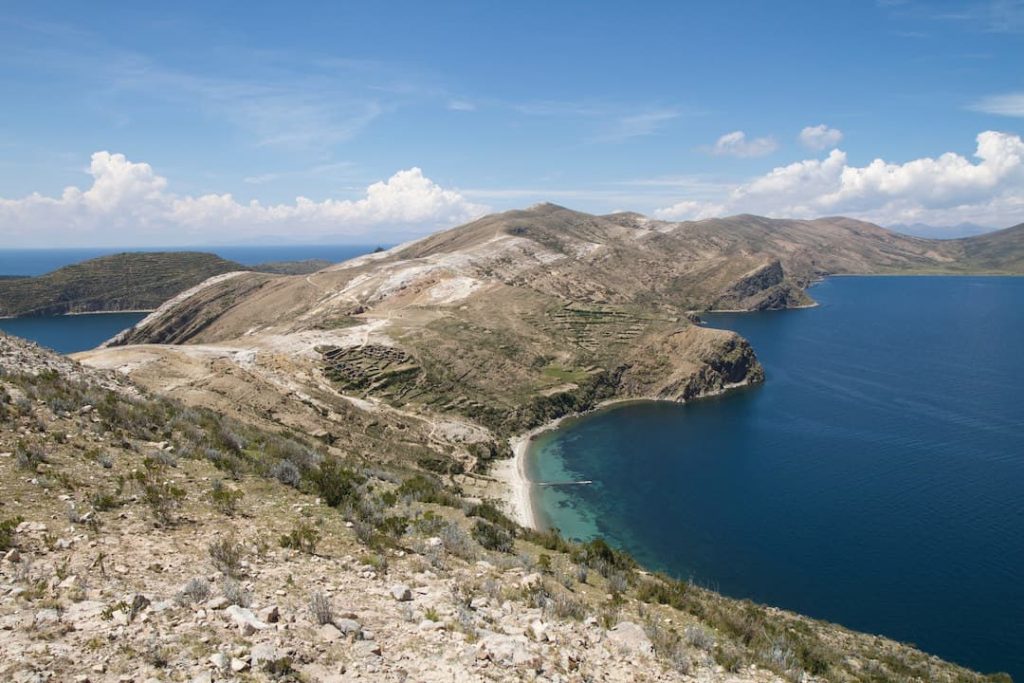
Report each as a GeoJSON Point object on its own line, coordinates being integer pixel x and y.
{"type": "Point", "coordinates": [143, 540]}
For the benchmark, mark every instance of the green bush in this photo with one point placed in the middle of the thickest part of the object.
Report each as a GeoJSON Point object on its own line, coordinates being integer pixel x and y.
{"type": "Point", "coordinates": [493, 537]}
{"type": "Point", "coordinates": [335, 483]}
{"type": "Point", "coordinates": [7, 528]}
{"type": "Point", "coordinates": [303, 537]}
{"type": "Point", "coordinates": [225, 499]}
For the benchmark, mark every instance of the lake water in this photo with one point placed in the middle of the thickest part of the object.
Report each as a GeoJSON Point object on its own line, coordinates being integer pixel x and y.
{"type": "Point", "coordinates": [70, 333]}
{"type": "Point", "coordinates": [875, 480]}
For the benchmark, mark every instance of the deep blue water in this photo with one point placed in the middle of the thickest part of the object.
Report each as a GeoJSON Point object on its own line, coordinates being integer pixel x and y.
{"type": "Point", "coordinates": [40, 261]}
{"type": "Point", "coordinates": [876, 479]}
{"type": "Point", "coordinates": [70, 333]}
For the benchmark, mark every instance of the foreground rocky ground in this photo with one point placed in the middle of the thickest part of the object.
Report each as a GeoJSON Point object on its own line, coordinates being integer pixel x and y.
{"type": "Point", "coordinates": [145, 540]}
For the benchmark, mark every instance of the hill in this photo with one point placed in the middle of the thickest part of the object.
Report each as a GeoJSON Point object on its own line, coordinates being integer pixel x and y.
{"type": "Point", "coordinates": [143, 539]}
{"type": "Point", "coordinates": [133, 281]}
{"type": "Point", "coordinates": [120, 282]}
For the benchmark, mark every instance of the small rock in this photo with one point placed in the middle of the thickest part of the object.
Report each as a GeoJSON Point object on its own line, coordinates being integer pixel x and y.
{"type": "Point", "coordinates": [329, 633]}
{"type": "Point", "coordinates": [12, 556]}
{"type": "Point", "coordinates": [220, 660]}
{"type": "Point", "coordinates": [428, 625]}
{"type": "Point", "coordinates": [401, 592]}
{"type": "Point", "coordinates": [263, 653]}
{"type": "Point", "coordinates": [348, 626]}
{"type": "Point", "coordinates": [204, 677]}
{"type": "Point", "coordinates": [245, 620]}
{"type": "Point", "coordinates": [239, 665]}
{"type": "Point", "coordinates": [270, 614]}
{"type": "Point", "coordinates": [219, 602]}
{"type": "Point", "coordinates": [631, 637]}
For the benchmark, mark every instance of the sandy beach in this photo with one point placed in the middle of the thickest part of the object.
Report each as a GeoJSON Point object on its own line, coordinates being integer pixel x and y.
{"type": "Point", "coordinates": [517, 487]}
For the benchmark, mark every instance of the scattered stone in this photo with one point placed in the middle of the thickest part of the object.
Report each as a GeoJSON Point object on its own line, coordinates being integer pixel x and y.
{"type": "Point", "coordinates": [239, 665]}
{"type": "Point", "coordinates": [263, 653]}
{"type": "Point", "coordinates": [219, 602]}
{"type": "Point", "coordinates": [245, 620]}
{"type": "Point", "coordinates": [631, 637]}
{"type": "Point", "coordinates": [348, 626]}
{"type": "Point", "coordinates": [204, 677]}
{"type": "Point", "coordinates": [270, 615]}
{"type": "Point", "coordinates": [401, 592]}
{"type": "Point", "coordinates": [220, 660]}
{"type": "Point", "coordinates": [329, 633]}
{"type": "Point", "coordinates": [12, 556]}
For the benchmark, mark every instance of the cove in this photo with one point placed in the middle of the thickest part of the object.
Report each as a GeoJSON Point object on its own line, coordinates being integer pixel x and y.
{"type": "Point", "coordinates": [875, 479]}
{"type": "Point", "coordinates": [70, 333]}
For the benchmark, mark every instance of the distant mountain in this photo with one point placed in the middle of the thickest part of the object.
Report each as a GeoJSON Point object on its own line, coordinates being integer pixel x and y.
{"type": "Point", "coordinates": [942, 232]}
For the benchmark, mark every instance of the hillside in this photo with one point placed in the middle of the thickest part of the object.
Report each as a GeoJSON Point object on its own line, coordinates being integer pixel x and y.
{"type": "Point", "coordinates": [438, 355]}
{"type": "Point", "coordinates": [142, 539]}
{"type": "Point", "coordinates": [523, 316]}
{"type": "Point", "coordinates": [133, 281]}
{"type": "Point", "coordinates": [120, 282]}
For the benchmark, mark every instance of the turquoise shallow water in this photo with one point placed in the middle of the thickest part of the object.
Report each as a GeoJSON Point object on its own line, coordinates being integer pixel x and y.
{"type": "Point", "coordinates": [876, 479]}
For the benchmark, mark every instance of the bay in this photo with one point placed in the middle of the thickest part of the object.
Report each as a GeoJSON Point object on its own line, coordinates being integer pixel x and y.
{"type": "Point", "coordinates": [875, 479]}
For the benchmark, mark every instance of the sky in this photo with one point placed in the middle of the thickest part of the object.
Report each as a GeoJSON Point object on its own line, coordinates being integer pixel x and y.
{"type": "Point", "coordinates": [324, 122]}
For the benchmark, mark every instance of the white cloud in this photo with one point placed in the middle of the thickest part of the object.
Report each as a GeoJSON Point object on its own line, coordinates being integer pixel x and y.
{"type": "Point", "coordinates": [946, 190]}
{"type": "Point", "coordinates": [1010, 104]}
{"type": "Point", "coordinates": [736, 144]}
{"type": "Point", "coordinates": [820, 137]}
{"type": "Point", "coordinates": [461, 105]}
{"type": "Point", "coordinates": [637, 125]}
{"type": "Point", "coordinates": [128, 204]}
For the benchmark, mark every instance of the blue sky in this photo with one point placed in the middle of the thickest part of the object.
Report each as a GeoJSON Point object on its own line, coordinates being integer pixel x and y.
{"type": "Point", "coordinates": [203, 122]}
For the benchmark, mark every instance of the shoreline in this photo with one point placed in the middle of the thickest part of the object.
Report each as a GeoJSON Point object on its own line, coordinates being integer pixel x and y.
{"type": "Point", "coordinates": [61, 315]}
{"type": "Point", "coordinates": [517, 487]}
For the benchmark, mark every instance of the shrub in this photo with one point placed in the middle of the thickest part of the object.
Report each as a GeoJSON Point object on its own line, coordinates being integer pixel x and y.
{"type": "Point", "coordinates": [567, 607]}
{"type": "Point", "coordinates": [162, 497]}
{"type": "Point", "coordinates": [195, 591]}
{"type": "Point", "coordinates": [455, 541]}
{"type": "Point", "coordinates": [303, 537]}
{"type": "Point", "coordinates": [321, 609]}
{"type": "Point", "coordinates": [225, 499]}
{"type": "Point", "coordinates": [29, 456]}
{"type": "Point", "coordinates": [226, 555]}
{"type": "Point", "coordinates": [493, 537]}
{"type": "Point", "coordinates": [7, 528]}
{"type": "Point", "coordinates": [234, 593]}
{"type": "Point", "coordinates": [286, 472]}
{"type": "Point", "coordinates": [335, 483]}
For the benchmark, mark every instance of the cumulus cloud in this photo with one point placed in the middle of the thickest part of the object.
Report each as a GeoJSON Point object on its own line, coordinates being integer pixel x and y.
{"type": "Point", "coordinates": [946, 190]}
{"type": "Point", "coordinates": [129, 204]}
{"type": "Point", "coordinates": [736, 144]}
{"type": "Point", "coordinates": [820, 137]}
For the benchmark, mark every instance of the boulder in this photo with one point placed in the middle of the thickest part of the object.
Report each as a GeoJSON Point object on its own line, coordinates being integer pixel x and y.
{"type": "Point", "coordinates": [329, 633]}
{"type": "Point", "coordinates": [245, 620]}
{"type": "Point", "coordinates": [630, 637]}
{"type": "Point", "coordinates": [401, 592]}
{"type": "Point", "coordinates": [220, 660]}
